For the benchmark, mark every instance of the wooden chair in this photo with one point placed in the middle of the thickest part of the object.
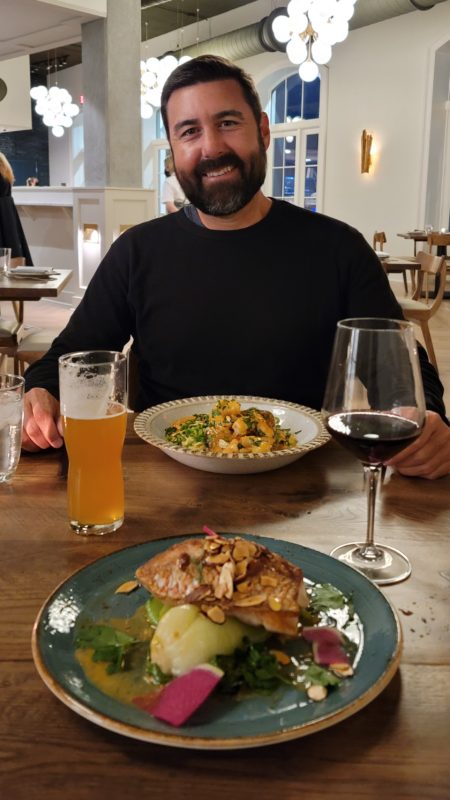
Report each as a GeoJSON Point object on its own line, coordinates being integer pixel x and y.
{"type": "Point", "coordinates": [379, 240]}
{"type": "Point", "coordinates": [418, 312]}
{"type": "Point", "coordinates": [33, 346]}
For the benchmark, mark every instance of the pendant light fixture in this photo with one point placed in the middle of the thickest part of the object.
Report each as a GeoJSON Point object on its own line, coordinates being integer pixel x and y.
{"type": "Point", "coordinates": [55, 106]}
{"type": "Point", "coordinates": [309, 28]}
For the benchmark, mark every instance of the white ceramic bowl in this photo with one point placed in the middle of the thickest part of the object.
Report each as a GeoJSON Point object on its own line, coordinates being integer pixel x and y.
{"type": "Point", "coordinates": [304, 422]}
{"type": "Point", "coordinates": [382, 255]}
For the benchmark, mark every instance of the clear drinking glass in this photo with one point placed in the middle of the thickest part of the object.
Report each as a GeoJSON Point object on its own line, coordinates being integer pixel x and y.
{"type": "Point", "coordinates": [5, 260]}
{"type": "Point", "coordinates": [93, 397]}
{"type": "Point", "coordinates": [374, 406]}
{"type": "Point", "coordinates": [11, 415]}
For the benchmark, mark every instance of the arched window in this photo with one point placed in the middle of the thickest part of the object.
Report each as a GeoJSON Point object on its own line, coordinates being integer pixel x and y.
{"type": "Point", "coordinates": [293, 157]}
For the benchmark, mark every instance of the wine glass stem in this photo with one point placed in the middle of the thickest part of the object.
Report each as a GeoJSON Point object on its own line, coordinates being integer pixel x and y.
{"type": "Point", "coordinates": [372, 477]}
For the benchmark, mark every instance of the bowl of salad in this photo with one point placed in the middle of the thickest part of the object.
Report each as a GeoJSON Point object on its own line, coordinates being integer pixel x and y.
{"type": "Point", "coordinates": [232, 434]}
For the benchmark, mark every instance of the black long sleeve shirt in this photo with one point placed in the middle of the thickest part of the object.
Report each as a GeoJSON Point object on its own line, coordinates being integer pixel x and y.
{"type": "Point", "coordinates": [250, 311]}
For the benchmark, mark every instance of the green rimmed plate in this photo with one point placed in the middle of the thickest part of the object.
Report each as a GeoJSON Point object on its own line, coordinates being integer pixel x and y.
{"type": "Point", "coordinates": [221, 723]}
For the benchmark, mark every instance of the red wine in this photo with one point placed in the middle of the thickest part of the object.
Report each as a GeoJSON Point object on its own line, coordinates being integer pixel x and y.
{"type": "Point", "coordinates": [373, 436]}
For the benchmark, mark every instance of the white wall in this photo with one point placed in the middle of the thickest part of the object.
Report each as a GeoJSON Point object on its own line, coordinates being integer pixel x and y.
{"type": "Point", "coordinates": [15, 108]}
{"type": "Point", "coordinates": [380, 79]}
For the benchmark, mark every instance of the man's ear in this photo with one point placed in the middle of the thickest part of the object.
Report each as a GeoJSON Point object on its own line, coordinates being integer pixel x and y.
{"type": "Point", "coordinates": [264, 128]}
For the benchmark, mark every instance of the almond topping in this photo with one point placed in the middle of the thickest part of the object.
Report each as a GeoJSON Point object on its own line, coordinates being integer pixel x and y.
{"type": "Point", "coordinates": [243, 587]}
{"type": "Point", "coordinates": [255, 600]}
{"type": "Point", "coordinates": [220, 558]}
{"type": "Point", "coordinates": [342, 670]}
{"type": "Point", "coordinates": [127, 587]}
{"type": "Point", "coordinates": [317, 692]}
{"type": "Point", "coordinates": [274, 603]}
{"type": "Point", "coordinates": [268, 580]}
{"type": "Point", "coordinates": [241, 550]}
{"type": "Point", "coordinates": [224, 586]}
{"type": "Point", "coordinates": [215, 614]}
{"type": "Point", "coordinates": [241, 569]}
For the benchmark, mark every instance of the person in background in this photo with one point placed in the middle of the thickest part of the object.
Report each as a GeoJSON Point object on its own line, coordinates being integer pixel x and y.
{"type": "Point", "coordinates": [236, 294]}
{"type": "Point", "coordinates": [11, 231]}
{"type": "Point", "coordinates": [172, 194]}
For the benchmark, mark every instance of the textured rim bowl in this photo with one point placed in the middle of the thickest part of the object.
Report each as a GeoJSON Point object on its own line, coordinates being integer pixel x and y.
{"type": "Point", "coordinates": [304, 422]}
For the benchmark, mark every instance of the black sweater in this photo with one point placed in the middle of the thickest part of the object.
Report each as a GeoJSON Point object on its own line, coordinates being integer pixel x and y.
{"type": "Point", "coordinates": [250, 311]}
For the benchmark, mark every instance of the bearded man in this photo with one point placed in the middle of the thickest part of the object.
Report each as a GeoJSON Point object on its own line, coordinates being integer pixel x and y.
{"type": "Point", "coordinates": [235, 294]}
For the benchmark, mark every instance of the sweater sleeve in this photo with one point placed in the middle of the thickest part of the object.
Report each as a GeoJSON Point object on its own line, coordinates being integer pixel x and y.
{"type": "Point", "coordinates": [104, 320]}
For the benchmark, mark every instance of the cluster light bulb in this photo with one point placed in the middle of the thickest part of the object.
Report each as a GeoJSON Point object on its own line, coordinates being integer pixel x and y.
{"type": "Point", "coordinates": [56, 108]}
{"type": "Point", "coordinates": [154, 73]}
{"type": "Point", "coordinates": [309, 29]}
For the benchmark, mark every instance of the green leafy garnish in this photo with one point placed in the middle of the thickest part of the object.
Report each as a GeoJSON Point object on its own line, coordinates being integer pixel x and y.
{"type": "Point", "coordinates": [320, 675]}
{"type": "Point", "coordinates": [324, 596]}
{"type": "Point", "coordinates": [109, 645]}
{"type": "Point", "coordinates": [251, 666]}
{"type": "Point", "coordinates": [158, 676]}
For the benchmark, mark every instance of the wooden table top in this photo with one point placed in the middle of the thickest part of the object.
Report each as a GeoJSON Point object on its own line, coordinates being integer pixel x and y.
{"type": "Point", "coordinates": [33, 288]}
{"type": "Point", "coordinates": [397, 746]}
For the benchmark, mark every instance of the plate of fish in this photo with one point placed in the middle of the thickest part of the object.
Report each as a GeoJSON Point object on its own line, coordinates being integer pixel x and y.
{"type": "Point", "coordinates": [220, 641]}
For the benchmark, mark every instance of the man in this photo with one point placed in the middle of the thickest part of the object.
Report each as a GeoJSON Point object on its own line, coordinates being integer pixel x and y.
{"type": "Point", "coordinates": [235, 294]}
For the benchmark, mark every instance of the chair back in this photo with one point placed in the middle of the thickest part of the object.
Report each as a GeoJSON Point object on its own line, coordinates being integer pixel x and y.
{"type": "Point", "coordinates": [430, 265]}
{"type": "Point", "coordinates": [379, 240]}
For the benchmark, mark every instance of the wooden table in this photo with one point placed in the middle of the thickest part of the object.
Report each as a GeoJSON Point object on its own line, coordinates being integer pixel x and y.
{"type": "Point", "coordinates": [18, 290]}
{"type": "Point", "coordinates": [416, 236]}
{"type": "Point", "coordinates": [396, 747]}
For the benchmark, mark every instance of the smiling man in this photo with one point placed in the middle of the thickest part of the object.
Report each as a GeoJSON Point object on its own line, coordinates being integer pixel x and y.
{"type": "Point", "coordinates": [236, 293]}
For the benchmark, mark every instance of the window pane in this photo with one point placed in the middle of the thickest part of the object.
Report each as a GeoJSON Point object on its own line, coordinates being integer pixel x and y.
{"type": "Point", "coordinates": [311, 97]}
{"type": "Point", "coordinates": [294, 96]}
{"type": "Point", "coordinates": [278, 152]}
{"type": "Point", "coordinates": [310, 181]}
{"type": "Point", "coordinates": [289, 182]}
{"type": "Point", "coordinates": [312, 145]}
{"type": "Point", "coordinates": [278, 103]}
{"type": "Point", "coordinates": [278, 183]}
{"type": "Point", "coordinates": [289, 151]}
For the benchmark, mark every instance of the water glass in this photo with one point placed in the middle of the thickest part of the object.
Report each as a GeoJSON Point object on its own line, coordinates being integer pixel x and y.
{"type": "Point", "coordinates": [11, 415]}
{"type": "Point", "coordinates": [93, 397]}
{"type": "Point", "coordinates": [5, 260]}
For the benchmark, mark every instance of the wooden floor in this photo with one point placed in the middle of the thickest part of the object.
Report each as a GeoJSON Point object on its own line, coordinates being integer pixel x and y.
{"type": "Point", "coordinates": [48, 314]}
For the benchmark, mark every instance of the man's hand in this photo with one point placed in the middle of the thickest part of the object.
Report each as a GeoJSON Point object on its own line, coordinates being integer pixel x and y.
{"type": "Point", "coordinates": [42, 426]}
{"type": "Point", "coordinates": [429, 455]}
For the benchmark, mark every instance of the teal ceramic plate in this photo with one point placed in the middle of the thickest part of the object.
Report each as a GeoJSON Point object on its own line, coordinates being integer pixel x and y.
{"type": "Point", "coordinates": [221, 723]}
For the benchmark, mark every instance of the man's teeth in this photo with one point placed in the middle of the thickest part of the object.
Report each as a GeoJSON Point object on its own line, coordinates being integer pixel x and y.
{"type": "Point", "coordinates": [219, 172]}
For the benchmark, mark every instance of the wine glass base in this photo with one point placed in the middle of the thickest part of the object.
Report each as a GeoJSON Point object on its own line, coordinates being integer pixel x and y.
{"type": "Point", "coordinates": [386, 564]}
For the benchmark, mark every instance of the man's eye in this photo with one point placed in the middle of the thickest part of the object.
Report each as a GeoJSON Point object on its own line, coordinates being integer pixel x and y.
{"type": "Point", "coordinates": [228, 123]}
{"type": "Point", "coordinates": [188, 132]}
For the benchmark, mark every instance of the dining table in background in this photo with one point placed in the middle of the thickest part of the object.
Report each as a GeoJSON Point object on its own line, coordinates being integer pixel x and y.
{"type": "Point", "coordinates": [415, 236]}
{"type": "Point", "coordinates": [395, 747]}
{"type": "Point", "coordinates": [31, 288]}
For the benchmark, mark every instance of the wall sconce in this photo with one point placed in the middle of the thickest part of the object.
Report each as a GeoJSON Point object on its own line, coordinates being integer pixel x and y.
{"type": "Point", "coordinates": [91, 233]}
{"type": "Point", "coordinates": [366, 147]}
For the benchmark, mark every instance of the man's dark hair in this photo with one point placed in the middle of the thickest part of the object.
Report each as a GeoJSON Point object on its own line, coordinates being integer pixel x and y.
{"type": "Point", "coordinates": [206, 69]}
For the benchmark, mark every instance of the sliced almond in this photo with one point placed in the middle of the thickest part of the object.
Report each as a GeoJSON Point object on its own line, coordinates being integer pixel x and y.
{"type": "Point", "coordinates": [268, 580]}
{"type": "Point", "coordinates": [241, 569]}
{"type": "Point", "coordinates": [220, 558]}
{"type": "Point", "coordinates": [224, 586]}
{"type": "Point", "coordinates": [342, 670]}
{"type": "Point", "coordinates": [215, 614]}
{"type": "Point", "coordinates": [254, 600]}
{"type": "Point", "coordinates": [274, 603]}
{"type": "Point", "coordinates": [243, 587]}
{"type": "Point", "coordinates": [127, 587]}
{"type": "Point", "coordinates": [317, 692]}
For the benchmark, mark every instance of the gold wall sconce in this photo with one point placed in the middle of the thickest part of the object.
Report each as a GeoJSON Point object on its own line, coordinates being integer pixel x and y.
{"type": "Point", "coordinates": [366, 148]}
{"type": "Point", "coordinates": [91, 233]}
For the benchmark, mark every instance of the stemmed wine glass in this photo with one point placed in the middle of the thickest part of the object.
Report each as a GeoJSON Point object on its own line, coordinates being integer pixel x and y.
{"type": "Point", "coordinates": [374, 406]}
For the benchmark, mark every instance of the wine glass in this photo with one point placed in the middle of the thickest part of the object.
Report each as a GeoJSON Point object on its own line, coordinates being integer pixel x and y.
{"type": "Point", "coordinates": [374, 406]}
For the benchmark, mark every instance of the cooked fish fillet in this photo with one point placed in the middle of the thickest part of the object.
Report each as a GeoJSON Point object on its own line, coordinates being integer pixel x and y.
{"type": "Point", "coordinates": [229, 577]}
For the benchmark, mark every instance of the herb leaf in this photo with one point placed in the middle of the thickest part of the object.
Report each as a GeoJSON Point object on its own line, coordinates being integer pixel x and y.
{"type": "Point", "coordinates": [109, 645]}
{"type": "Point", "coordinates": [324, 596]}
{"type": "Point", "coordinates": [320, 675]}
{"type": "Point", "coordinates": [251, 666]}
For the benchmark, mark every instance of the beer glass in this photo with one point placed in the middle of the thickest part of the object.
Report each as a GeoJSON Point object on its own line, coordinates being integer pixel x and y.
{"type": "Point", "coordinates": [5, 260]}
{"type": "Point", "coordinates": [93, 397]}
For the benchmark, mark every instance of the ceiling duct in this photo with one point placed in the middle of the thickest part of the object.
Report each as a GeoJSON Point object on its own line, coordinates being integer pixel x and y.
{"type": "Point", "coordinates": [258, 38]}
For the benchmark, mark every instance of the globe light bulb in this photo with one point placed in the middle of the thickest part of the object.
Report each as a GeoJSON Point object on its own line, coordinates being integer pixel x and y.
{"type": "Point", "coordinates": [308, 71]}
{"type": "Point", "coordinates": [296, 50]}
{"type": "Point", "coordinates": [281, 28]}
{"type": "Point", "coordinates": [321, 52]}
{"type": "Point", "coordinates": [58, 131]}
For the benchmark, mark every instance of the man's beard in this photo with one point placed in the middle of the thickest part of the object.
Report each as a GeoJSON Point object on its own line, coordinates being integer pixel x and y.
{"type": "Point", "coordinates": [225, 197]}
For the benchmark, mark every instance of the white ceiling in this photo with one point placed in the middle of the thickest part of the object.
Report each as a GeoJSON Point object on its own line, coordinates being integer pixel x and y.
{"type": "Point", "coordinates": [31, 26]}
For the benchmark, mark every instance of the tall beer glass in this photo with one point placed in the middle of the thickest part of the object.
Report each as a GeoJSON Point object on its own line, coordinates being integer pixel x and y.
{"type": "Point", "coordinates": [93, 396]}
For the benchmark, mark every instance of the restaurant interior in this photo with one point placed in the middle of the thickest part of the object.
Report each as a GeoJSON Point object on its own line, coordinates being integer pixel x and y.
{"type": "Point", "coordinates": [360, 131]}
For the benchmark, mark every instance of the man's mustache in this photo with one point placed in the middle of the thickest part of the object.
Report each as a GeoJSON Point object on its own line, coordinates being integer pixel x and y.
{"type": "Point", "coordinates": [216, 164]}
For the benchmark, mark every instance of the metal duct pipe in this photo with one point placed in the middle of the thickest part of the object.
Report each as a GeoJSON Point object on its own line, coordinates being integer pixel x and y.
{"type": "Point", "coordinates": [257, 38]}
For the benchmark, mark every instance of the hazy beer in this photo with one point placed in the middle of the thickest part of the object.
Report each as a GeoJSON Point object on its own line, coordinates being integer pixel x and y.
{"type": "Point", "coordinates": [93, 408]}
{"type": "Point", "coordinates": [95, 483]}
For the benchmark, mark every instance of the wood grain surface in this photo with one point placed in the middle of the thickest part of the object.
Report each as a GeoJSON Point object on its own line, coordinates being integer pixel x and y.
{"type": "Point", "coordinates": [397, 747]}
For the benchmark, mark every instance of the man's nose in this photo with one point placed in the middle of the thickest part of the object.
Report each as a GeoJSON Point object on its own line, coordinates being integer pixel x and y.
{"type": "Point", "coordinates": [212, 142]}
